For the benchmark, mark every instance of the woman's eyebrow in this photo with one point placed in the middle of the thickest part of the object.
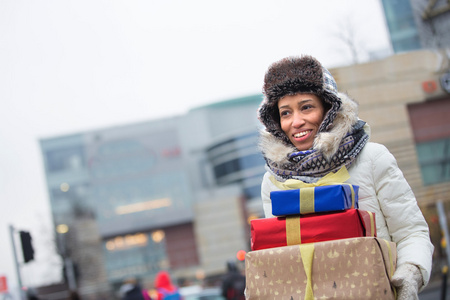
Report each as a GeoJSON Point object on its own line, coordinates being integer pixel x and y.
{"type": "Point", "coordinates": [300, 103]}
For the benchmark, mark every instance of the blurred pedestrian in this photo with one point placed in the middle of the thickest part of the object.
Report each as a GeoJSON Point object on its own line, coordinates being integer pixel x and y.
{"type": "Point", "coordinates": [32, 294]}
{"type": "Point", "coordinates": [131, 290]}
{"type": "Point", "coordinates": [166, 290]}
{"type": "Point", "coordinates": [311, 130]}
{"type": "Point", "coordinates": [233, 284]}
{"type": "Point", "coordinates": [74, 296]}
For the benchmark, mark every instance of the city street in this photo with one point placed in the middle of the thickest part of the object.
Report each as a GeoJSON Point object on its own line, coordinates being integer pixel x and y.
{"type": "Point", "coordinates": [433, 292]}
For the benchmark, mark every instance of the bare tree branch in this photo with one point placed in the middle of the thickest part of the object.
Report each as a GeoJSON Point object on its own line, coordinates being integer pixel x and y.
{"type": "Point", "coordinates": [346, 32]}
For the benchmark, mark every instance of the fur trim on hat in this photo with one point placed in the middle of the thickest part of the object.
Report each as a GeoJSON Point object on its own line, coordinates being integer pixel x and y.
{"type": "Point", "coordinates": [327, 143]}
{"type": "Point", "coordinates": [293, 75]}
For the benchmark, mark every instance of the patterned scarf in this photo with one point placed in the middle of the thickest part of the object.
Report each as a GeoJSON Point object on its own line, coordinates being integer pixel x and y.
{"type": "Point", "coordinates": [311, 163]}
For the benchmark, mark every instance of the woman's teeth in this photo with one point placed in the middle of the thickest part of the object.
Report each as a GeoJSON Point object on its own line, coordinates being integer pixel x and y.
{"type": "Point", "coordinates": [301, 134]}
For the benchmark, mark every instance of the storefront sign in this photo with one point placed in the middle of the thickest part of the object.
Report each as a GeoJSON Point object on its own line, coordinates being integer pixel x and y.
{"type": "Point", "coordinates": [3, 285]}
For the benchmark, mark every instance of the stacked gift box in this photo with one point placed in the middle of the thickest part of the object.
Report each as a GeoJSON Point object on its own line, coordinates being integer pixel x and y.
{"type": "Point", "coordinates": [320, 245]}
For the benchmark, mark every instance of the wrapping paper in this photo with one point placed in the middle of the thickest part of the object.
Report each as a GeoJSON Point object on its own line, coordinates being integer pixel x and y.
{"type": "Point", "coordinates": [355, 268]}
{"type": "Point", "coordinates": [308, 200]}
{"type": "Point", "coordinates": [312, 228]}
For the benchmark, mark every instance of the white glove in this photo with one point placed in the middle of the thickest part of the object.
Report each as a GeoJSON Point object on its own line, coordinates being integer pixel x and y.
{"type": "Point", "coordinates": [408, 280]}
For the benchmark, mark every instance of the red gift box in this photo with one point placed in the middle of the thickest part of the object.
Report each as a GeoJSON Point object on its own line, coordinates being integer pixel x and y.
{"type": "Point", "coordinates": [312, 228]}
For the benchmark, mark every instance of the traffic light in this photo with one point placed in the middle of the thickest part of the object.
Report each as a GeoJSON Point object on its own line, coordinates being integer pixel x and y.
{"type": "Point", "coordinates": [27, 246]}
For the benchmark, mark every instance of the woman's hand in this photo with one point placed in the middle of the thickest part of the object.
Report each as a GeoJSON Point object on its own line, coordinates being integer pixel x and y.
{"type": "Point", "coordinates": [408, 280]}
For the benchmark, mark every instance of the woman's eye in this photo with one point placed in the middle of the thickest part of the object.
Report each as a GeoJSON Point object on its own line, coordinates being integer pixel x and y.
{"type": "Point", "coordinates": [307, 106]}
{"type": "Point", "coordinates": [284, 113]}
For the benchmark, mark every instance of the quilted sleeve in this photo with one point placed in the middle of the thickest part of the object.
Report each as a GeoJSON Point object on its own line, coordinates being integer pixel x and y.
{"type": "Point", "coordinates": [266, 187]}
{"type": "Point", "coordinates": [404, 219]}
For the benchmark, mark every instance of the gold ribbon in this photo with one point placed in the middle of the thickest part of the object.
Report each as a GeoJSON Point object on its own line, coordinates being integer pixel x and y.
{"type": "Point", "coordinates": [293, 236]}
{"type": "Point", "coordinates": [331, 178]}
{"type": "Point", "coordinates": [307, 254]}
{"type": "Point", "coordinates": [372, 224]}
{"type": "Point", "coordinates": [353, 194]}
{"type": "Point", "coordinates": [391, 261]}
{"type": "Point", "coordinates": [306, 200]}
{"type": "Point", "coordinates": [391, 267]}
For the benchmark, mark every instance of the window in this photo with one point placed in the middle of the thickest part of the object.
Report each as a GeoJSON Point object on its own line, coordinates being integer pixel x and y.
{"type": "Point", "coordinates": [227, 168]}
{"type": "Point", "coordinates": [434, 159]}
{"type": "Point", "coordinates": [431, 128]}
{"type": "Point", "coordinates": [252, 160]}
{"type": "Point", "coordinates": [70, 158]}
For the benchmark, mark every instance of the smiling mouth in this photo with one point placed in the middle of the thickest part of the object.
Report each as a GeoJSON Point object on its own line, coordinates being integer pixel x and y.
{"type": "Point", "coordinates": [302, 134]}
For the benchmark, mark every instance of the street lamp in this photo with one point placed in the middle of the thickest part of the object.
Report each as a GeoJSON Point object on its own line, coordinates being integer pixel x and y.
{"type": "Point", "coordinates": [61, 230]}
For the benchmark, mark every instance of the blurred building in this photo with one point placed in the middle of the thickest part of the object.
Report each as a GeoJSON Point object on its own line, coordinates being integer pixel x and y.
{"type": "Point", "coordinates": [165, 194]}
{"type": "Point", "coordinates": [417, 24]}
{"type": "Point", "coordinates": [176, 193]}
{"type": "Point", "coordinates": [406, 100]}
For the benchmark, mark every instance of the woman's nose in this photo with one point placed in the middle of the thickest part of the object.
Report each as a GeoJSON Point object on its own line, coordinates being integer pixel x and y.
{"type": "Point", "coordinates": [297, 121]}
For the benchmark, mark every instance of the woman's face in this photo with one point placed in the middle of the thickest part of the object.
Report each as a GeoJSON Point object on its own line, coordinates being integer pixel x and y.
{"type": "Point", "coordinates": [300, 118]}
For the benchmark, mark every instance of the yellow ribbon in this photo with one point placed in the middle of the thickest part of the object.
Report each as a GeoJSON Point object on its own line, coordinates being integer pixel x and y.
{"type": "Point", "coordinates": [391, 261]}
{"type": "Point", "coordinates": [331, 178]}
{"type": "Point", "coordinates": [353, 194]}
{"type": "Point", "coordinates": [306, 200]}
{"type": "Point", "coordinates": [391, 267]}
{"type": "Point", "coordinates": [372, 224]}
{"type": "Point", "coordinates": [307, 254]}
{"type": "Point", "coordinates": [293, 236]}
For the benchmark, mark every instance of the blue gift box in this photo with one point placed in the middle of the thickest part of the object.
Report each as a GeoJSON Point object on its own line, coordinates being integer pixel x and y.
{"type": "Point", "coordinates": [309, 200]}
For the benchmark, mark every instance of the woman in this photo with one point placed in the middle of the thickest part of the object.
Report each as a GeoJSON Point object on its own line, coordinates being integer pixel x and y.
{"type": "Point", "coordinates": [311, 130]}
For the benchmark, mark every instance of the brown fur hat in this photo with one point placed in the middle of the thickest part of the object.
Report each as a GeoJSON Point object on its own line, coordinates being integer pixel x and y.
{"type": "Point", "coordinates": [294, 75]}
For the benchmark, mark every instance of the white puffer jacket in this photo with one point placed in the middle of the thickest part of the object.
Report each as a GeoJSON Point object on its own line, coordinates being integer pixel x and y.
{"type": "Point", "coordinates": [384, 191]}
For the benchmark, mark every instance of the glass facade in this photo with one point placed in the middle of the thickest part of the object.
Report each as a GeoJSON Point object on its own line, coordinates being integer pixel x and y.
{"type": "Point", "coordinates": [65, 159]}
{"type": "Point", "coordinates": [402, 27]}
{"type": "Point", "coordinates": [136, 186]}
{"type": "Point", "coordinates": [132, 181]}
{"type": "Point", "coordinates": [139, 254]}
{"type": "Point", "coordinates": [238, 160]}
{"type": "Point", "coordinates": [138, 181]}
{"type": "Point", "coordinates": [70, 201]}
{"type": "Point", "coordinates": [68, 184]}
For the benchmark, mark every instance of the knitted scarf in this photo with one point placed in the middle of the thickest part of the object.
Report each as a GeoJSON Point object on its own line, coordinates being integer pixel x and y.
{"type": "Point", "coordinates": [312, 163]}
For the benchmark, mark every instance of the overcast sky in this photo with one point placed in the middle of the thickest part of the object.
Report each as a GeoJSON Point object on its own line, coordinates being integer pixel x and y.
{"type": "Point", "coordinates": [71, 66]}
